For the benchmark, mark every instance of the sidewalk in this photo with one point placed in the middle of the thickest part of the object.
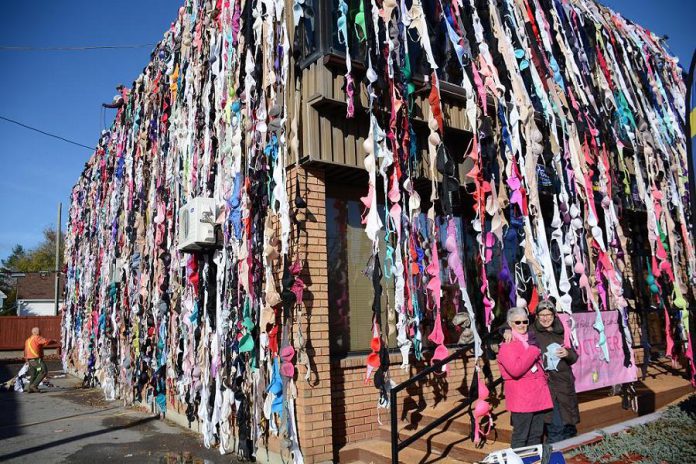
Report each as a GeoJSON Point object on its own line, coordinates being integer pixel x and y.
{"type": "Point", "coordinates": [17, 355]}
{"type": "Point", "coordinates": [73, 425]}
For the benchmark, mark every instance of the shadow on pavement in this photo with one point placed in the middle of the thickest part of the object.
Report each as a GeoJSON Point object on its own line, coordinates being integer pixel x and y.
{"type": "Point", "coordinates": [9, 417]}
{"type": "Point", "coordinates": [16, 426]}
{"type": "Point", "coordinates": [82, 436]}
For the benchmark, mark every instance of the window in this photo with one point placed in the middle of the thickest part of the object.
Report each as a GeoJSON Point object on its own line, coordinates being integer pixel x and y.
{"type": "Point", "coordinates": [308, 33]}
{"type": "Point", "coordinates": [351, 293]}
{"type": "Point", "coordinates": [325, 34]}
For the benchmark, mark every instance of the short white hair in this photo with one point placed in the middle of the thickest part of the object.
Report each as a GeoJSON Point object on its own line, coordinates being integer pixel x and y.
{"type": "Point", "coordinates": [515, 311]}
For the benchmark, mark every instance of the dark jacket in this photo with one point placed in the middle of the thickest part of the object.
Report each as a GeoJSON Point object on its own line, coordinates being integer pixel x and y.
{"type": "Point", "coordinates": [561, 382]}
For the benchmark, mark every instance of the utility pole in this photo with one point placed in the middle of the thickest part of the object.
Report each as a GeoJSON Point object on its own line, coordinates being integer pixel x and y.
{"type": "Point", "coordinates": [57, 284]}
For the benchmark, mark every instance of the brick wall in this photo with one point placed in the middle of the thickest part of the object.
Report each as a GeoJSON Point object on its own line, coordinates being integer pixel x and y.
{"type": "Point", "coordinates": [314, 399]}
{"type": "Point", "coordinates": [656, 337]}
{"type": "Point", "coordinates": [313, 404]}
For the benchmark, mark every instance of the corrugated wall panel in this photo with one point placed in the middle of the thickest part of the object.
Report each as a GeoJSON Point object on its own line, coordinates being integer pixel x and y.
{"type": "Point", "coordinates": [328, 136]}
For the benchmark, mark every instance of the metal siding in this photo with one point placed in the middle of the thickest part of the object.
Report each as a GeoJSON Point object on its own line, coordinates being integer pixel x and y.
{"type": "Point", "coordinates": [339, 144]}
{"type": "Point", "coordinates": [326, 135]}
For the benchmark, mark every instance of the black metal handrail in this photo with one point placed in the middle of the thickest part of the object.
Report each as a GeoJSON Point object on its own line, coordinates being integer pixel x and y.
{"type": "Point", "coordinates": [397, 446]}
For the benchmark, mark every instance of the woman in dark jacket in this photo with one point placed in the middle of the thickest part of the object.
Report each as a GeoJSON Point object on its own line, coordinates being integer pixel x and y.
{"type": "Point", "coordinates": [548, 329]}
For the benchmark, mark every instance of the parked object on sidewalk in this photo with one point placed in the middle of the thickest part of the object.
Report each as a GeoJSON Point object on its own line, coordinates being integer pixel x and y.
{"type": "Point", "coordinates": [21, 381]}
{"type": "Point", "coordinates": [16, 383]}
{"type": "Point", "coordinates": [539, 454]}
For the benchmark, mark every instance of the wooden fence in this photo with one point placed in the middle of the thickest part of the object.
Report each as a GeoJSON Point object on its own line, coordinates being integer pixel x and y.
{"type": "Point", "coordinates": [14, 330]}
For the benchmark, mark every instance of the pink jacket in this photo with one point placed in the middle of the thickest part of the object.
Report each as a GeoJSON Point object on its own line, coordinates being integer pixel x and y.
{"type": "Point", "coordinates": [525, 391]}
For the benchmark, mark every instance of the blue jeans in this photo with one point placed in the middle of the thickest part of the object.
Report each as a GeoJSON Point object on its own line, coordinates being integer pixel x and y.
{"type": "Point", "coordinates": [556, 430]}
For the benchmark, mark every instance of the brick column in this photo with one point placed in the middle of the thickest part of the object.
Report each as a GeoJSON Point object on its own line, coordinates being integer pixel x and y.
{"type": "Point", "coordinates": [314, 399]}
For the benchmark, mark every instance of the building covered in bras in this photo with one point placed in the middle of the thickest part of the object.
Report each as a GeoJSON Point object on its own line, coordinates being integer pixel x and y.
{"type": "Point", "coordinates": [387, 179]}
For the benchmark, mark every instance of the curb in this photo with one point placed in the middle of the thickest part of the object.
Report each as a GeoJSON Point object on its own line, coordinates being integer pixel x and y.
{"type": "Point", "coordinates": [597, 435]}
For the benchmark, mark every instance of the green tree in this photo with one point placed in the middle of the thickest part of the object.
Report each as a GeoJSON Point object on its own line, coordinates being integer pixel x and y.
{"type": "Point", "coordinates": [16, 259]}
{"type": "Point", "coordinates": [41, 258]}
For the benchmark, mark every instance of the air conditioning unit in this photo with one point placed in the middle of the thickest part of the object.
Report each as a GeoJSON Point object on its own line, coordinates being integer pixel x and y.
{"type": "Point", "coordinates": [197, 224]}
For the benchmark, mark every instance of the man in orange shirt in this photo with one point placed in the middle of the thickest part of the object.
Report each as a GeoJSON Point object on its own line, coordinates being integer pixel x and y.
{"type": "Point", "coordinates": [33, 353]}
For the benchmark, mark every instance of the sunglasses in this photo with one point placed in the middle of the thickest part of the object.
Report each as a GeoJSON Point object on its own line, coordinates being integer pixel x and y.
{"type": "Point", "coordinates": [525, 322]}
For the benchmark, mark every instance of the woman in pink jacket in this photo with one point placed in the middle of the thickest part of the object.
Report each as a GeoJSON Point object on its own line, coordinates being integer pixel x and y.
{"type": "Point", "coordinates": [526, 392]}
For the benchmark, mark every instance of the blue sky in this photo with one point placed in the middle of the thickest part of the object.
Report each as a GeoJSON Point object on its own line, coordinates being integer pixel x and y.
{"type": "Point", "coordinates": [61, 92]}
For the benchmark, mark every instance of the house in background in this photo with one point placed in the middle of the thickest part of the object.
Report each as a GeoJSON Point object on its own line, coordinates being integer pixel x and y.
{"type": "Point", "coordinates": [35, 293]}
{"type": "Point", "coordinates": [2, 299]}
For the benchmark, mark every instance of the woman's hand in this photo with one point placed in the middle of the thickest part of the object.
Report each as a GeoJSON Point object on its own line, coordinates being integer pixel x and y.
{"type": "Point", "coordinates": [561, 352]}
{"type": "Point", "coordinates": [507, 335]}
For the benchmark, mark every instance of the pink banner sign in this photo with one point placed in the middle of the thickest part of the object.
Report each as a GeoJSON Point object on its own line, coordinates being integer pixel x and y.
{"type": "Point", "coordinates": [591, 370]}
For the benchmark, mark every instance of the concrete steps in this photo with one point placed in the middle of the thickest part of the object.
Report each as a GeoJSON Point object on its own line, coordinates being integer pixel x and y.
{"type": "Point", "coordinates": [379, 452]}
{"type": "Point", "coordinates": [451, 444]}
{"type": "Point", "coordinates": [451, 441]}
{"type": "Point", "coordinates": [460, 423]}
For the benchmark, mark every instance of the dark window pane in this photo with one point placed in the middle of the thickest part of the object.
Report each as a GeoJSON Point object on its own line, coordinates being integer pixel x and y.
{"type": "Point", "coordinates": [351, 292]}
{"type": "Point", "coordinates": [308, 31]}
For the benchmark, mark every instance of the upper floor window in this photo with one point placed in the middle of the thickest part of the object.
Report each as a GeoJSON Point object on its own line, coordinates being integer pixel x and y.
{"type": "Point", "coordinates": [329, 20]}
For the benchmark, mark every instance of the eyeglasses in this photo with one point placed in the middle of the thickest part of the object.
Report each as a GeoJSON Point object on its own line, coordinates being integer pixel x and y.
{"type": "Point", "coordinates": [525, 322]}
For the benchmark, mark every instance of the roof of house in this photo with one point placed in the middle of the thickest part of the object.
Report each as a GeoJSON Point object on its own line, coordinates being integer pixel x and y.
{"type": "Point", "coordinates": [38, 285]}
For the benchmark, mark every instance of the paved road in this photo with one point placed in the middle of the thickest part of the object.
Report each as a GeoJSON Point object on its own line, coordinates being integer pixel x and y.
{"type": "Point", "coordinates": [67, 424]}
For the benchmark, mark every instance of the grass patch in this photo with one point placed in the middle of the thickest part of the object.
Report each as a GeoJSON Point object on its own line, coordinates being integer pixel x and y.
{"type": "Point", "coordinates": [671, 439]}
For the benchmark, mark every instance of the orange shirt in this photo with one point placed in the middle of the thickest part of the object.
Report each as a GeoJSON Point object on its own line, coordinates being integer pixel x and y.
{"type": "Point", "coordinates": [33, 347]}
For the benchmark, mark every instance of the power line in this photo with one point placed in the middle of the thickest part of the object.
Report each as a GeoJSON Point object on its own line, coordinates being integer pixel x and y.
{"type": "Point", "coordinates": [71, 49]}
{"type": "Point", "coordinates": [47, 133]}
